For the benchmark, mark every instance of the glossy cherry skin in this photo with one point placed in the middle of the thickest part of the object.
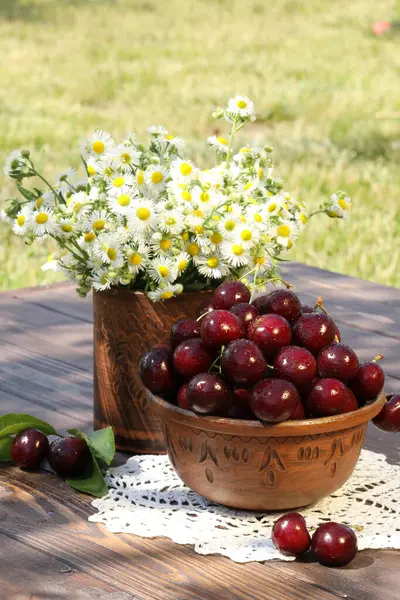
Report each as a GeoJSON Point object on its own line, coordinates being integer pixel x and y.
{"type": "Point", "coordinates": [156, 371]}
{"type": "Point", "coordinates": [204, 308]}
{"type": "Point", "coordinates": [182, 397]}
{"type": "Point", "coordinates": [299, 412]}
{"type": "Point", "coordinates": [314, 331]}
{"type": "Point", "coordinates": [183, 329]}
{"type": "Point", "coordinates": [290, 535]}
{"type": "Point", "coordinates": [334, 545]}
{"type": "Point", "coordinates": [240, 409]}
{"type": "Point", "coordinates": [368, 383]}
{"type": "Point", "coordinates": [29, 448]}
{"type": "Point", "coordinates": [327, 397]}
{"type": "Point", "coordinates": [274, 400]}
{"type": "Point", "coordinates": [229, 293]}
{"type": "Point", "coordinates": [281, 302]}
{"type": "Point", "coordinates": [271, 333]}
{"type": "Point", "coordinates": [208, 394]}
{"type": "Point", "coordinates": [192, 357]}
{"type": "Point", "coordinates": [306, 308]}
{"type": "Point", "coordinates": [243, 363]}
{"type": "Point", "coordinates": [220, 327]}
{"type": "Point", "coordinates": [296, 365]}
{"type": "Point", "coordinates": [351, 402]}
{"type": "Point", "coordinates": [68, 456]}
{"type": "Point", "coordinates": [389, 417]}
{"type": "Point", "coordinates": [338, 361]}
{"type": "Point", "coordinates": [245, 312]}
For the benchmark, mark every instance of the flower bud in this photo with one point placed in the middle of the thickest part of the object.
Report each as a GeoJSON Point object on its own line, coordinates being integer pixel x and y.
{"type": "Point", "coordinates": [25, 153]}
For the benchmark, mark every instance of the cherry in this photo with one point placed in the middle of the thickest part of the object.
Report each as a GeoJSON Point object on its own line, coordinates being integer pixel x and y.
{"type": "Point", "coordinates": [29, 448]}
{"type": "Point", "coordinates": [220, 327]}
{"type": "Point", "coordinates": [182, 397]}
{"type": "Point", "coordinates": [306, 308]}
{"type": "Point", "coordinates": [68, 456]}
{"type": "Point", "coordinates": [334, 545]}
{"type": "Point", "coordinates": [245, 312]}
{"type": "Point", "coordinates": [229, 293]}
{"type": "Point", "coordinates": [208, 394]}
{"type": "Point", "coordinates": [369, 382]}
{"type": "Point", "coordinates": [389, 417]}
{"type": "Point", "coordinates": [271, 333]}
{"type": "Point", "coordinates": [290, 535]}
{"type": "Point", "coordinates": [351, 402]}
{"type": "Point", "coordinates": [243, 362]}
{"type": "Point", "coordinates": [240, 409]}
{"type": "Point", "coordinates": [156, 371]}
{"type": "Point", "coordinates": [182, 330]}
{"type": "Point", "coordinates": [314, 331]}
{"type": "Point", "coordinates": [192, 357]}
{"type": "Point", "coordinates": [281, 302]}
{"type": "Point", "coordinates": [338, 361]}
{"type": "Point", "coordinates": [296, 365]}
{"type": "Point", "coordinates": [327, 397]}
{"type": "Point", "coordinates": [204, 308]}
{"type": "Point", "coordinates": [298, 413]}
{"type": "Point", "coordinates": [274, 400]}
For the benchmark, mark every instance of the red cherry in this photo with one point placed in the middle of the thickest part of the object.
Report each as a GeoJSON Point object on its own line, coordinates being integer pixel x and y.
{"type": "Point", "coordinates": [183, 329]}
{"type": "Point", "coordinates": [334, 545]}
{"type": "Point", "coordinates": [220, 327]}
{"type": "Point", "coordinates": [290, 535]}
{"type": "Point", "coordinates": [182, 397]}
{"type": "Point", "coordinates": [204, 308]}
{"type": "Point", "coordinates": [156, 371]}
{"type": "Point", "coordinates": [240, 409]}
{"type": "Point", "coordinates": [298, 413]}
{"type": "Point", "coordinates": [389, 417]}
{"type": "Point", "coordinates": [192, 357]}
{"type": "Point", "coordinates": [327, 397]}
{"type": "Point", "coordinates": [68, 456]}
{"type": "Point", "coordinates": [208, 394]}
{"type": "Point", "coordinates": [296, 365]}
{"type": "Point", "coordinates": [273, 400]}
{"type": "Point", "coordinates": [306, 308]}
{"type": "Point", "coordinates": [369, 382]}
{"type": "Point", "coordinates": [245, 312]}
{"type": "Point", "coordinates": [281, 302]}
{"type": "Point", "coordinates": [243, 362]}
{"type": "Point", "coordinates": [229, 293]}
{"type": "Point", "coordinates": [314, 331]}
{"type": "Point", "coordinates": [271, 333]}
{"type": "Point", "coordinates": [338, 361]}
{"type": "Point", "coordinates": [351, 402]}
{"type": "Point", "coordinates": [29, 448]}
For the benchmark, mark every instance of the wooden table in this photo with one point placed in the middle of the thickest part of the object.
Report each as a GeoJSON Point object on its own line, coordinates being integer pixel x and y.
{"type": "Point", "coordinates": [48, 550]}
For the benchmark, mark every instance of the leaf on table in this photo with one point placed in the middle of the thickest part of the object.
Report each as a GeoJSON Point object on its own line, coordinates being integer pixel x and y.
{"type": "Point", "coordinates": [91, 481]}
{"type": "Point", "coordinates": [13, 423]}
{"type": "Point", "coordinates": [101, 443]}
{"type": "Point", "coordinates": [5, 448]}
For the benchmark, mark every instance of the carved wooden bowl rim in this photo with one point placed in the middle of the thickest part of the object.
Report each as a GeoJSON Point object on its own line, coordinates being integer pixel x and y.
{"type": "Point", "coordinates": [287, 428]}
{"type": "Point", "coordinates": [118, 291]}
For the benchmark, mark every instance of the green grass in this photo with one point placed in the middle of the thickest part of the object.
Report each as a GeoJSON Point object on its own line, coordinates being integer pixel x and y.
{"type": "Point", "coordinates": [326, 92]}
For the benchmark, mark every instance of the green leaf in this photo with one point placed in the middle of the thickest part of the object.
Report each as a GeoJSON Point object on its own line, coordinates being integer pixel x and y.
{"type": "Point", "coordinates": [91, 481]}
{"type": "Point", "coordinates": [13, 423]}
{"type": "Point", "coordinates": [101, 443]}
{"type": "Point", "coordinates": [26, 193]}
{"type": "Point", "coordinates": [5, 448]}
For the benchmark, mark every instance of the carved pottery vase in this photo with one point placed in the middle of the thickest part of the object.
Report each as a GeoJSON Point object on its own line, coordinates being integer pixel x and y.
{"type": "Point", "coordinates": [127, 324]}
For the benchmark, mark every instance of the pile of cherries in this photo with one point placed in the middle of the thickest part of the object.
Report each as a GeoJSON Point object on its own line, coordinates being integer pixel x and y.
{"type": "Point", "coordinates": [67, 456]}
{"type": "Point", "coordinates": [273, 358]}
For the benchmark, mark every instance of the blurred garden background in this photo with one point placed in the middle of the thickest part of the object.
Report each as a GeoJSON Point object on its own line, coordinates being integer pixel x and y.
{"type": "Point", "coordinates": [326, 92]}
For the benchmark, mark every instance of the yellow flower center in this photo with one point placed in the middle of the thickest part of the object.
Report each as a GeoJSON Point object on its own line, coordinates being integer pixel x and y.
{"type": "Point", "coordinates": [222, 140]}
{"type": "Point", "coordinates": [163, 271]}
{"type": "Point", "coordinates": [20, 220]}
{"type": "Point", "coordinates": [165, 244]}
{"type": "Point", "coordinates": [170, 221]}
{"type": "Point", "coordinates": [135, 259]}
{"type": "Point", "coordinates": [245, 149]}
{"type": "Point", "coordinates": [198, 230]}
{"type": "Point", "coordinates": [89, 237]}
{"type": "Point", "coordinates": [143, 214]}
{"type": "Point", "coordinates": [237, 249]}
{"type": "Point", "coordinates": [204, 197]}
{"type": "Point", "coordinates": [140, 177]}
{"type": "Point", "coordinates": [216, 238]}
{"type": "Point", "coordinates": [124, 200]}
{"type": "Point", "coordinates": [197, 213]}
{"type": "Point", "coordinates": [246, 235]}
{"type": "Point", "coordinates": [343, 204]}
{"type": "Point", "coordinates": [98, 147]}
{"type": "Point", "coordinates": [260, 173]}
{"type": "Point", "coordinates": [78, 207]}
{"type": "Point", "coordinates": [39, 202]}
{"type": "Point", "coordinates": [257, 217]}
{"type": "Point", "coordinates": [99, 224]}
{"type": "Point", "coordinates": [248, 185]}
{"type": "Point", "coordinates": [109, 171]}
{"type": "Point", "coordinates": [185, 236]}
{"type": "Point", "coordinates": [182, 264]}
{"type": "Point", "coordinates": [283, 230]}
{"type": "Point", "coordinates": [230, 225]}
{"type": "Point", "coordinates": [185, 169]}
{"type": "Point", "coordinates": [111, 253]}
{"type": "Point", "coordinates": [169, 137]}
{"type": "Point", "coordinates": [272, 207]}
{"type": "Point", "coordinates": [166, 295]}
{"type": "Point", "coordinates": [42, 218]}
{"type": "Point", "coordinates": [157, 177]}
{"type": "Point", "coordinates": [290, 244]}
{"type": "Point", "coordinates": [241, 104]}
{"type": "Point", "coordinates": [125, 157]}
{"type": "Point", "coordinates": [91, 170]}
{"type": "Point", "coordinates": [193, 249]}
{"type": "Point", "coordinates": [303, 218]}
{"type": "Point", "coordinates": [260, 260]}
{"type": "Point", "coordinates": [67, 228]}
{"type": "Point", "coordinates": [118, 182]}
{"type": "Point", "coordinates": [187, 196]}
{"type": "Point", "coordinates": [213, 262]}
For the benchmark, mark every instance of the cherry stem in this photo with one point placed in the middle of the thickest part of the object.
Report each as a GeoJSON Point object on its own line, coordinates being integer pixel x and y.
{"type": "Point", "coordinates": [319, 304]}
{"type": "Point", "coordinates": [216, 360]}
{"type": "Point", "coordinates": [201, 316]}
{"type": "Point", "coordinates": [378, 357]}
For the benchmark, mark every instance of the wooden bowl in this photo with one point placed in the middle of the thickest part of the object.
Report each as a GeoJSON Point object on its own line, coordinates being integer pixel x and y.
{"type": "Point", "coordinates": [246, 465]}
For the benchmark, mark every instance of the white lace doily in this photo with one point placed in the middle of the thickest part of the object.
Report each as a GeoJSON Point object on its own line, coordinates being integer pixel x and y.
{"type": "Point", "coordinates": [147, 498]}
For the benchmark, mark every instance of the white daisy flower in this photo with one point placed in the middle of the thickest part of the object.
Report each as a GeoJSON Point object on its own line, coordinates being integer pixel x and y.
{"type": "Point", "coordinates": [302, 218]}
{"type": "Point", "coordinates": [87, 239]}
{"type": "Point", "coordinates": [42, 221]}
{"type": "Point", "coordinates": [157, 130]}
{"type": "Point", "coordinates": [206, 200]}
{"type": "Point", "coordinates": [162, 269]}
{"type": "Point", "coordinates": [155, 178]}
{"type": "Point", "coordinates": [95, 166]}
{"type": "Point", "coordinates": [99, 144]}
{"type": "Point", "coordinates": [286, 233]}
{"type": "Point", "coordinates": [78, 203]}
{"type": "Point", "coordinates": [256, 215]}
{"type": "Point", "coordinates": [46, 199]}
{"type": "Point", "coordinates": [228, 224]}
{"type": "Point", "coordinates": [67, 175]}
{"type": "Point", "coordinates": [143, 215]}
{"type": "Point", "coordinates": [121, 183]}
{"type": "Point", "coordinates": [101, 280]}
{"type": "Point", "coordinates": [339, 207]}
{"type": "Point", "coordinates": [137, 259]}
{"type": "Point", "coordinates": [51, 264]}
{"type": "Point", "coordinates": [177, 143]}
{"type": "Point", "coordinates": [182, 261]}
{"type": "Point", "coordinates": [219, 143]}
{"type": "Point", "coordinates": [215, 240]}
{"type": "Point", "coordinates": [183, 170]}
{"type": "Point", "coordinates": [180, 191]}
{"type": "Point", "coordinates": [66, 227]}
{"type": "Point", "coordinates": [262, 261]}
{"type": "Point", "coordinates": [109, 250]}
{"type": "Point", "coordinates": [212, 177]}
{"type": "Point", "coordinates": [125, 156]}
{"type": "Point", "coordinates": [244, 153]}
{"type": "Point", "coordinates": [139, 180]}
{"type": "Point", "coordinates": [161, 244]}
{"type": "Point", "coordinates": [212, 266]}
{"type": "Point", "coordinates": [22, 221]}
{"type": "Point", "coordinates": [235, 253]}
{"type": "Point", "coordinates": [166, 292]}
{"type": "Point", "coordinates": [121, 202]}
{"type": "Point", "coordinates": [97, 220]}
{"type": "Point", "coordinates": [276, 205]}
{"type": "Point", "coordinates": [170, 221]}
{"type": "Point", "coordinates": [246, 235]}
{"type": "Point", "coordinates": [241, 106]}
{"type": "Point", "coordinates": [14, 163]}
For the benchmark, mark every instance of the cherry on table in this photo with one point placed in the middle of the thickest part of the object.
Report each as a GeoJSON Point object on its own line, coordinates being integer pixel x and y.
{"type": "Point", "coordinates": [290, 535]}
{"type": "Point", "coordinates": [334, 545]}
{"type": "Point", "coordinates": [245, 312]}
{"type": "Point", "coordinates": [314, 331]}
{"type": "Point", "coordinates": [229, 293]}
{"type": "Point", "coordinates": [208, 394]}
{"type": "Point", "coordinates": [220, 327]}
{"type": "Point", "coordinates": [271, 333]}
{"type": "Point", "coordinates": [389, 417]}
{"type": "Point", "coordinates": [183, 329]}
{"type": "Point", "coordinates": [369, 382]}
{"type": "Point", "coordinates": [29, 448]}
{"type": "Point", "coordinates": [68, 456]}
{"type": "Point", "coordinates": [274, 400]}
{"type": "Point", "coordinates": [281, 302]}
{"type": "Point", "coordinates": [156, 371]}
{"type": "Point", "coordinates": [328, 397]}
{"type": "Point", "coordinates": [297, 365]}
{"type": "Point", "coordinates": [338, 361]}
{"type": "Point", "coordinates": [243, 363]}
{"type": "Point", "coordinates": [192, 357]}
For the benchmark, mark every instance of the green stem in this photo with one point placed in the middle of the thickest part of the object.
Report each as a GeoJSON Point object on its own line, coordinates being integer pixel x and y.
{"type": "Point", "coordinates": [58, 198]}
